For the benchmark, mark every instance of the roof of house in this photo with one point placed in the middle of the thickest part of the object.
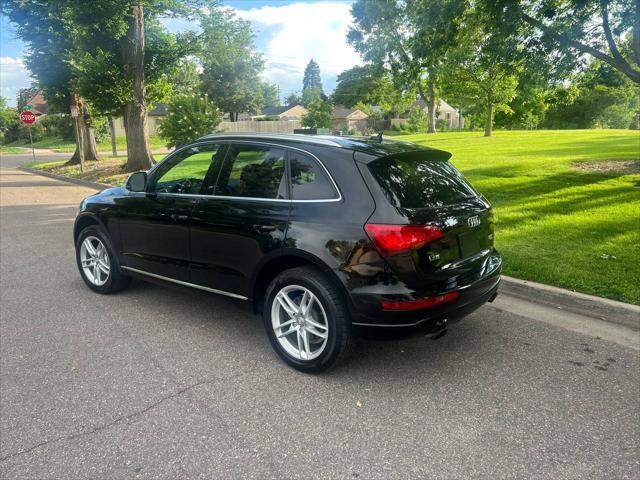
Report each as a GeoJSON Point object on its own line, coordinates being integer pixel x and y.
{"type": "Point", "coordinates": [275, 111]}
{"type": "Point", "coordinates": [40, 105]}
{"type": "Point", "coordinates": [343, 112]}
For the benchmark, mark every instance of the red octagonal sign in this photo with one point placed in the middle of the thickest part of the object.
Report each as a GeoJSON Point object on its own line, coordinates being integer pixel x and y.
{"type": "Point", "coordinates": [27, 117]}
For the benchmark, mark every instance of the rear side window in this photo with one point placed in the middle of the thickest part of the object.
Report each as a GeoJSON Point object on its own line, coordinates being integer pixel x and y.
{"type": "Point", "coordinates": [253, 171]}
{"type": "Point", "coordinates": [308, 180]}
{"type": "Point", "coordinates": [412, 182]}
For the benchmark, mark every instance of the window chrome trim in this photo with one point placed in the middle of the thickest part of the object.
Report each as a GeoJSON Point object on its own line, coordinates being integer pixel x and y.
{"type": "Point", "coordinates": [186, 284]}
{"type": "Point", "coordinates": [257, 199]}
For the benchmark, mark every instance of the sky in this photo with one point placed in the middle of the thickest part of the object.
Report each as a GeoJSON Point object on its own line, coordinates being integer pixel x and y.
{"type": "Point", "coordinates": [287, 32]}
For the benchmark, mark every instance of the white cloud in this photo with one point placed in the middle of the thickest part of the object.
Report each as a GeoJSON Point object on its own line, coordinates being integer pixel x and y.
{"type": "Point", "coordinates": [298, 32]}
{"type": "Point", "coordinates": [13, 76]}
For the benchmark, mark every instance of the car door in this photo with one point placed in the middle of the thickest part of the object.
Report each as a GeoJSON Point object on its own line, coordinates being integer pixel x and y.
{"type": "Point", "coordinates": [154, 226]}
{"type": "Point", "coordinates": [244, 220]}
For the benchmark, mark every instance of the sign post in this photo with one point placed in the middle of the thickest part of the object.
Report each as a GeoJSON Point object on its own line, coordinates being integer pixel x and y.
{"type": "Point", "coordinates": [74, 115]}
{"type": "Point", "coordinates": [28, 118]}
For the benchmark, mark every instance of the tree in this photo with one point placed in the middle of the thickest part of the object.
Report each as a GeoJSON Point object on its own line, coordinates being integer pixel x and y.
{"type": "Point", "coordinates": [293, 99]}
{"type": "Point", "coordinates": [270, 95]}
{"type": "Point", "coordinates": [231, 67]}
{"type": "Point", "coordinates": [311, 79]}
{"type": "Point", "coordinates": [26, 94]}
{"type": "Point", "coordinates": [7, 114]}
{"type": "Point", "coordinates": [310, 95]}
{"type": "Point", "coordinates": [186, 76]}
{"type": "Point", "coordinates": [608, 30]}
{"type": "Point", "coordinates": [371, 85]}
{"type": "Point", "coordinates": [410, 38]}
{"type": "Point", "coordinates": [483, 67]}
{"type": "Point", "coordinates": [9, 123]}
{"type": "Point", "coordinates": [124, 55]}
{"type": "Point", "coordinates": [48, 32]}
{"type": "Point", "coordinates": [601, 96]}
{"type": "Point", "coordinates": [190, 116]}
{"type": "Point", "coordinates": [318, 114]}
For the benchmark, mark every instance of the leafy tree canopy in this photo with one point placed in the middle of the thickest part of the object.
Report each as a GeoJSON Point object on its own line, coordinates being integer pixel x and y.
{"type": "Point", "coordinates": [608, 30]}
{"type": "Point", "coordinates": [293, 99]}
{"type": "Point", "coordinates": [190, 116]}
{"type": "Point", "coordinates": [371, 85]}
{"type": "Point", "coordinates": [318, 114]}
{"type": "Point", "coordinates": [231, 66]}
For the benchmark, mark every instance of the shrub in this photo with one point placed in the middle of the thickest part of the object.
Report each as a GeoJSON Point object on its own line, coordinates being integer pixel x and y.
{"type": "Point", "coordinates": [418, 121]}
{"type": "Point", "coordinates": [190, 116]}
{"type": "Point", "coordinates": [318, 114]}
{"type": "Point", "coordinates": [100, 127]}
{"type": "Point", "coordinates": [37, 132]}
{"type": "Point", "coordinates": [59, 126]}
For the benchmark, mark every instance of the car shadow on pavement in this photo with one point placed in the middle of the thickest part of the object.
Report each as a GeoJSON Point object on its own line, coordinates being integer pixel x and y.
{"type": "Point", "coordinates": [392, 357]}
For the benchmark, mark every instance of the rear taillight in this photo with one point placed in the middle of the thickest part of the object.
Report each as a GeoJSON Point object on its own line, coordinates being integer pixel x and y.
{"type": "Point", "coordinates": [420, 303]}
{"type": "Point", "coordinates": [391, 239]}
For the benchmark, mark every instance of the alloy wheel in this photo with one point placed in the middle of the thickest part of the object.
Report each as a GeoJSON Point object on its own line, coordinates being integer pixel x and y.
{"type": "Point", "coordinates": [95, 261]}
{"type": "Point", "coordinates": [299, 322]}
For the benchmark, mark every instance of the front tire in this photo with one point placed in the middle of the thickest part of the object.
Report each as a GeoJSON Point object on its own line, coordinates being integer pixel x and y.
{"type": "Point", "coordinates": [307, 320]}
{"type": "Point", "coordinates": [97, 262]}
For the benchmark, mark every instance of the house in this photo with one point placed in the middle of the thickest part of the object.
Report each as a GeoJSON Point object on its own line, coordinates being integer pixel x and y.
{"type": "Point", "coordinates": [39, 104]}
{"type": "Point", "coordinates": [444, 113]}
{"type": "Point", "coordinates": [154, 117]}
{"type": "Point", "coordinates": [290, 112]}
{"type": "Point", "coordinates": [348, 119]}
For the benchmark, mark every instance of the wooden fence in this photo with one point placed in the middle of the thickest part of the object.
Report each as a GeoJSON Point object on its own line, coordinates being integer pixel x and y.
{"type": "Point", "coordinates": [280, 126]}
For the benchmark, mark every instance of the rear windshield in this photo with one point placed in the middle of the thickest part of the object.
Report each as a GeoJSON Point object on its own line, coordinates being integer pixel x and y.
{"type": "Point", "coordinates": [410, 182]}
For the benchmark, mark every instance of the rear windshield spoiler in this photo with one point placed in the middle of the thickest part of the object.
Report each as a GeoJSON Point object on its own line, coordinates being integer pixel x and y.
{"type": "Point", "coordinates": [417, 154]}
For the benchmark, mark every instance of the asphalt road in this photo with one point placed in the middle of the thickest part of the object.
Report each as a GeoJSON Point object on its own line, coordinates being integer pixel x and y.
{"type": "Point", "coordinates": [165, 383]}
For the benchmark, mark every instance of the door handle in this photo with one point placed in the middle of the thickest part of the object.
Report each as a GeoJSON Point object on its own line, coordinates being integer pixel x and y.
{"type": "Point", "coordinates": [264, 227]}
{"type": "Point", "coordinates": [179, 218]}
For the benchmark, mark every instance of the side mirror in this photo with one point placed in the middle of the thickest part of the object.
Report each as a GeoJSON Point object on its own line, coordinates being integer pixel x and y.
{"type": "Point", "coordinates": [137, 182]}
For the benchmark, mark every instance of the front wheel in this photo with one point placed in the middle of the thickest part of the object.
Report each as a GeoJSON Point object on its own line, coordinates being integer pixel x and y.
{"type": "Point", "coordinates": [307, 320]}
{"type": "Point", "coordinates": [97, 262]}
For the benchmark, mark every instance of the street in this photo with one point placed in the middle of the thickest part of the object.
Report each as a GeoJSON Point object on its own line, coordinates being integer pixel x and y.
{"type": "Point", "coordinates": [159, 382]}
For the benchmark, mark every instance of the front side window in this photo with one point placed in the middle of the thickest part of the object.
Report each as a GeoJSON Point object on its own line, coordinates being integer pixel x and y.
{"type": "Point", "coordinates": [308, 179]}
{"type": "Point", "coordinates": [253, 171]}
{"type": "Point", "coordinates": [186, 171]}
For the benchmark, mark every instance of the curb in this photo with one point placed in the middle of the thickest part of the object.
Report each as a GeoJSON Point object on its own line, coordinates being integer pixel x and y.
{"type": "Point", "coordinates": [580, 303]}
{"type": "Point", "coordinates": [75, 181]}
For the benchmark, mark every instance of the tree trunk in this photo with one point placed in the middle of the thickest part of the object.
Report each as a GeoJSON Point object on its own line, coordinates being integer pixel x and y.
{"type": "Point", "coordinates": [87, 137]}
{"type": "Point", "coordinates": [431, 107]}
{"type": "Point", "coordinates": [488, 129]}
{"type": "Point", "coordinates": [112, 131]}
{"type": "Point", "coordinates": [139, 155]}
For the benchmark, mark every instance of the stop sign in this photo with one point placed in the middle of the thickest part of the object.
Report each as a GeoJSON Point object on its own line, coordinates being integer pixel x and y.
{"type": "Point", "coordinates": [27, 117]}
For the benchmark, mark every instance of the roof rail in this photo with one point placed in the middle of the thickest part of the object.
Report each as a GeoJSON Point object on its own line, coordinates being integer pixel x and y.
{"type": "Point", "coordinates": [292, 137]}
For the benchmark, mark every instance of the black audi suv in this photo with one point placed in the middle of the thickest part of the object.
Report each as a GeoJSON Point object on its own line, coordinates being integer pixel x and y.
{"type": "Point", "coordinates": [325, 235]}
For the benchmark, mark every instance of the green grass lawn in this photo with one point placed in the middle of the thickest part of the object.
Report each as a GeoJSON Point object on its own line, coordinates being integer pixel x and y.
{"type": "Point", "coordinates": [61, 145]}
{"type": "Point", "coordinates": [9, 150]}
{"type": "Point", "coordinates": [556, 223]}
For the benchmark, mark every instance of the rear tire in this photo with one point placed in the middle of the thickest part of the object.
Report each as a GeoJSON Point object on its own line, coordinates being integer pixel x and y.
{"type": "Point", "coordinates": [97, 262]}
{"type": "Point", "coordinates": [307, 320]}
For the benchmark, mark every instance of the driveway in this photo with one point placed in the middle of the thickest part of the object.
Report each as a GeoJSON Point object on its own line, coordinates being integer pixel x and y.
{"type": "Point", "coordinates": [164, 383]}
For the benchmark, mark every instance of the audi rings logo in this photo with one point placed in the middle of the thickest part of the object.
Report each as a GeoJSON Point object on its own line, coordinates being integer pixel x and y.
{"type": "Point", "coordinates": [473, 221]}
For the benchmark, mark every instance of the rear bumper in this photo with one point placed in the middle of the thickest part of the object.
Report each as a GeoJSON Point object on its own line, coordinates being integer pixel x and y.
{"type": "Point", "coordinates": [369, 312]}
